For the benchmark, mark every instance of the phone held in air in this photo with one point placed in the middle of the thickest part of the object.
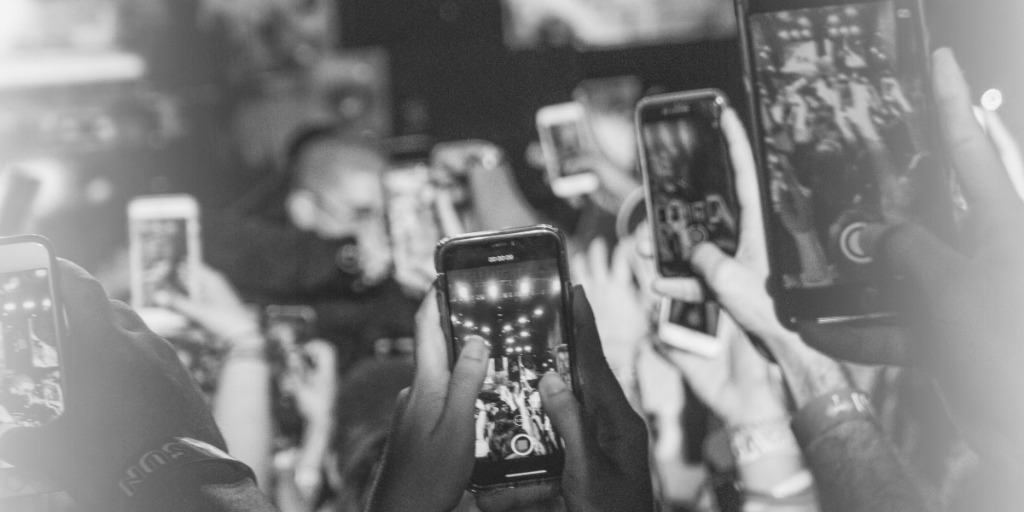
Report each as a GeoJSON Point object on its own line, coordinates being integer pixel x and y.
{"type": "Point", "coordinates": [564, 138]}
{"type": "Point", "coordinates": [691, 198]}
{"type": "Point", "coordinates": [32, 348]}
{"type": "Point", "coordinates": [165, 256]}
{"type": "Point", "coordinates": [512, 289]}
{"type": "Point", "coordinates": [845, 141]}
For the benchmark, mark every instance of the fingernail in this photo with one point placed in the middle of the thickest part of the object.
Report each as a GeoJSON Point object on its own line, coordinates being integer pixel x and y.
{"type": "Point", "coordinates": [552, 383]}
{"type": "Point", "coordinates": [477, 347]}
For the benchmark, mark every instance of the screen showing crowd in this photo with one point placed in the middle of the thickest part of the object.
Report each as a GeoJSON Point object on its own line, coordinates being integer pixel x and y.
{"type": "Point", "coordinates": [516, 307]}
{"type": "Point", "coordinates": [164, 250]}
{"type": "Point", "coordinates": [690, 188]}
{"type": "Point", "coordinates": [30, 394]}
{"type": "Point", "coordinates": [840, 102]}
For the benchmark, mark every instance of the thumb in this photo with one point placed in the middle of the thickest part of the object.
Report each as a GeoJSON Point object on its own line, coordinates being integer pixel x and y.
{"type": "Point", "coordinates": [564, 411]}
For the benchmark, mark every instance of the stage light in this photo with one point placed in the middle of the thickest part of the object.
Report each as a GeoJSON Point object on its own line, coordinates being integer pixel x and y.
{"type": "Point", "coordinates": [784, 35]}
{"type": "Point", "coordinates": [469, 324]}
{"type": "Point", "coordinates": [523, 319]}
{"type": "Point", "coordinates": [556, 286]}
{"type": "Point", "coordinates": [510, 340]}
{"type": "Point", "coordinates": [455, 320]}
{"type": "Point", "coordinates": [524, 334]}
{"type": "Point", "coordinates": [10, 306]}
{"type": "Point", "coordinates": [538, 312]}
{"type": "Point", "coordinates": [508, 350]}
{"type": "Point", "coordinates": [992, 100]}
{"type": "Point", "coordinates": [519, 350]}
{"type": "Point", "coordinates": [28, 304]}
{"type": "Point", "coordinates": [47, 303]}
{"type": "Point", "coordinates": [528, 349]}
{"type": "Point", "coordinates": [493, 293]}
{"type": "Point", "coordinates": [41, 273]}
{"type": "Point", "coordinates": [462, 292]}
{"type": "Point", "coordinates": [485, 329]}
{"type": "Point", "coordinates": [525, 287]}
{"type": "Point", "coordinates": [506, 328]}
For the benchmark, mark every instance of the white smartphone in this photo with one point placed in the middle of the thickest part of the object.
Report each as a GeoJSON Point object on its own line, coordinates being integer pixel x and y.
{"type": "Point", "coordinates": [413, 223]}
{"type": "Point", "coordinates": [165, 255]}
{"type": "Point", "coordinates": [32, 393]}
{"type": "Point", "coordinates": [564, 136]}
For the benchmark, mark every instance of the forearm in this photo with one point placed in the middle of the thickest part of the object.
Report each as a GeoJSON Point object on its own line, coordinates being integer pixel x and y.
{"type": "Point", "coordinates": [241, 408]}
{"type": "Point", "coordinates": [856, 469]}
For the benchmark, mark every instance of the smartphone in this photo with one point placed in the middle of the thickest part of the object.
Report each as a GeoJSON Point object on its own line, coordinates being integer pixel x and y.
{"type": "Point", "coordinates": [165, 255]}
{"type": "Point", "coordinates": [413, 223]}
{"type": "Point", "coordinates": [287, 328]}
{"type": "Point", "coordinates": [676, 319]}
{"type": "Point", "coordinates": [688, 177]}
{"type": "Point", "coordinates": [844, 137]}
{"type": "Point", "coordinates": [511, 288]}
{"type": "Point", "coordinates": [32, 350]}
{"type": "Point", "coordinates": [564, 137]}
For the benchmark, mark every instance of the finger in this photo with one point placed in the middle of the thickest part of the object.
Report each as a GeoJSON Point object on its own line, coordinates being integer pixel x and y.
{"type": "Point", "coordinates": [597, 259]}
{"type": "Point", "coordinates": [914, 252]}
{"type": "Point", "coordinates": [537, 496]}
{"type": "Point", "coordinates": [431, 349]}
{"type": "Point", "coordinates": [85, 303]}
{"type": "Point", "coordinates": [985, 182]}
{"type": "Point", "coordinates": [564, 411]}
{"type": "Point", "coordinates": [597, 382]}
{"type": "Point", "coordinates": [466, 381]}
{"type": "Point", "coordinates": [621, 272]}
{"type": "Point", "coordinates": [748, 191]}
{"type": "Point", "coordinates": [738, 289]}
{"type": "Point", "coordinates": [869, 344]}
{"type": "Point", "coordinates": [682, 289]}
{"type": "Point", "coordinates": [1009, 150]}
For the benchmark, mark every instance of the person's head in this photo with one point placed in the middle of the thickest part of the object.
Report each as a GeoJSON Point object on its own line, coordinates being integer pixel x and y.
{"type": "Point", "coordinates": [336, 186]}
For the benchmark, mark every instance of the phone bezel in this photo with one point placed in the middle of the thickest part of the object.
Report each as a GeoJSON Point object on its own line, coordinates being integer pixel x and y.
{"type": "Point", "coordinates": [503, 241]}
{"type": "Point", "coordinates": [837, 302]}
{"type": "Point", "coordinates": [645, 112]}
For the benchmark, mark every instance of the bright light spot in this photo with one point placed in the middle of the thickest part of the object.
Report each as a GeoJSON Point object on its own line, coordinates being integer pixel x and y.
{"type": "Point", "coordinates": [29, 304]}
{"type": "Point", "coordinates": [10, 306]}
{"type": "Point", "coordinates": [493, 293]}
{"type": "Point", "coordinates": [528, 349]}
{"type": "Point", "coordinates": [455, 320]}
{"type": "Point", "coordinates": [506, 328]}
{"type": "Point", "coordinates": [510, 340]}
{"type": "Point", "coordinates": [556, 286]}
{"type": "Point", "coordinates": [524, 334]}
{"type": "Point", "coordinates": [469, 324]}
{"type": "Point", "coordinates": [508, 350]}
{"type": "Point", "coordinates": [992, 100]}
{"type": "Point", "coordinates": [486, 329]}
{"type": "Point", "coordinates": [523, 319]}
{"type": "Point", "coordinates": [525, 287]}
{"type": "Point", "coordinates": [538, 312]}
{"type": "Point", "coordinates": [47, 303]}
{"type": "Point", "coordinates": [462, 291]}
{"type": "Point", "coordinates": [519, 350]}
{"type": "Point", "coordinates": [41, 273]}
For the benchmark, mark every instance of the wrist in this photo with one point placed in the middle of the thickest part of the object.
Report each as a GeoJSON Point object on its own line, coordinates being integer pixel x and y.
{"type": "Point", "coordinates": [827, 412]}
{"type": "Point", "coordinates": [808, 374]}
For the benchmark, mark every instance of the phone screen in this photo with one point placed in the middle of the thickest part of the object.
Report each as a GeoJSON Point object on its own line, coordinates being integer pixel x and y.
{"type": "Point", "coordinates": [164, 257]}
{"type": "Point", "coordinates": [567, 144]}
{"type": "Point", "coordinates": [689, 179]}
{"type": "Point", "coordinates": [514, 300]}
{"type": "Point", "coordinates": [842, 99]}
{"type": "Point", "coordinates": [31, 393]}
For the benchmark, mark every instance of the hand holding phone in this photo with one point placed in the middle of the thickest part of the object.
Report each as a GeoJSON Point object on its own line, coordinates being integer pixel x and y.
{"type": "Point", "coordinates": [115, 411]}
{"type": "Point", "coordinates": [565, 138]}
